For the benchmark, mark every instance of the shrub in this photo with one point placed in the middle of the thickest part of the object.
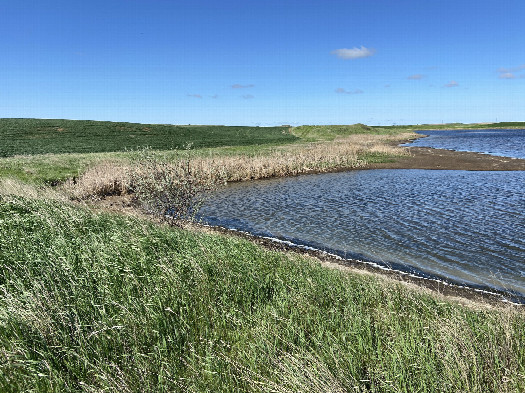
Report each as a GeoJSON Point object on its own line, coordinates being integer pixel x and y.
{"type": "Point", "coordinates": [173, 190]}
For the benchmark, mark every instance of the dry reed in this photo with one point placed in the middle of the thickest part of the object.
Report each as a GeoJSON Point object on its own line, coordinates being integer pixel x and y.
{"type": "Point", "coordinates": [113, 178]}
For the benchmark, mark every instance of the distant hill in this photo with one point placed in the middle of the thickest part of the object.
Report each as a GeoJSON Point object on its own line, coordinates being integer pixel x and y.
{"type": "Point", "coordinates": [40, 136]}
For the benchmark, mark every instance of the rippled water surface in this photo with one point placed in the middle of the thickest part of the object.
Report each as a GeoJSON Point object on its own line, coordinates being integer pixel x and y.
{"type": "Point", "coordinates": [506, 143]}
{"type": "Point", "coordinates": [467, 227]}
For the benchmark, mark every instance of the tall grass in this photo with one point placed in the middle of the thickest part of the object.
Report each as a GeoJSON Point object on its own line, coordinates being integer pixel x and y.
{"type": "Point", "coordinates": [96, 302]}
{"type": "Point", "coordinates": [353, 151]}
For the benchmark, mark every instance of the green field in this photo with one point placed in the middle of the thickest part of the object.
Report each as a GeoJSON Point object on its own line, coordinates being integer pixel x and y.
{"type": "Point", "coordinates": [51, 151]}
{"type": "Point", "coordinates": [40, 136]}
{"type": "Point", "coordinates": [99, 302]}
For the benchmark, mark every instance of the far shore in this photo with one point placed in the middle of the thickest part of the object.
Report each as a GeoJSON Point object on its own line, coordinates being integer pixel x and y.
{"type": "Point", "coordinates": [429, 158]}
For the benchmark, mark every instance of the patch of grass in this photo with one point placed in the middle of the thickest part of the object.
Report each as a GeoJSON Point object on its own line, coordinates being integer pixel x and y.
{"type": "Point", "coordinates": [377, 157]}
{"type": "Point", "coordinates": [330, 132]}
{"type": "Point", "coordinates": [240, 162]}
{"type": "Point", "coordinates": [98, 302]}
{"type": "Point", "coordinates": [510, 124]}
{"type": "Point", "coordinates": [43, 136]}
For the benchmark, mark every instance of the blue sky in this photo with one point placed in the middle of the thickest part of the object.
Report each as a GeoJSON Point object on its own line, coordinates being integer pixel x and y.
{"type": "Point", "coordinates": [263, 62]}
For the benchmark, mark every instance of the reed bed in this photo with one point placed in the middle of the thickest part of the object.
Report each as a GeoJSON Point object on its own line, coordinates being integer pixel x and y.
{"type": "Point", "coordinates": [354, 151]}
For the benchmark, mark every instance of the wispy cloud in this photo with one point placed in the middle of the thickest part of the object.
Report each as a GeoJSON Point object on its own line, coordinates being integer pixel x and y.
{"type": "Point", "coordinates": [340, 90]}
{"type": "Point", "coordinates": [512, 69]}
{"type": "Point", "coordinates": [215, 96]}
{"type": "Point", "coordinates": [195, 95]}
{"type": "Point", "coordinates": [451, 84]}
{"type": "Point", "coordinates": [416, 77]}
{"type": "Point", "coordinates": [512, 72]}
{"type": "Point", "coordinates": [354, 53]}
{"type": "Point", "coordinates": [248, 96]}
{"type": "Point", "coordinates": [507, 75]}
{"type": "Point", "coordinates": [238, 86]}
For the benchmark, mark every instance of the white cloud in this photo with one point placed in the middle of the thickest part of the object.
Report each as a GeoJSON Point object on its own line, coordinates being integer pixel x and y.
{"type": "Point", "coordinates": [238, 86]}
{"type": "Point", "coordinates": [354, 53]}
{"type": "Point", "coordinates": [416, 77]}
{"type": "Point", "coordinates": [195, 95]}
{"type": "Point", "coordinates": [340, 90]}
{"type": "Point", "coordinates": [507, 75]}
{"type": "Point", "coordinates": [248, 96]}
{"type": "Point", "coordinates": [451, 84]}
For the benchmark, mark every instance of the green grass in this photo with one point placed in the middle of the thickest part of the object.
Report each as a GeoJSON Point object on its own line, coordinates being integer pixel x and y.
{"type": "Point", "coordinates": [41, 136]}
{"type": "Point", "coordinates": [41, 151]}
{"type": "Point", "coordinates": [98, 302]}
{"type": "Point", "coordinates": [330, 132]}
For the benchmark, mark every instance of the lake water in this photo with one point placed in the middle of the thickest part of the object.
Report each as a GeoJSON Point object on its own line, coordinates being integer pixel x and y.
{"type": "Point", "coordinates": [506, 143]}
{"type": "Point", "coordinates": [464, 227]}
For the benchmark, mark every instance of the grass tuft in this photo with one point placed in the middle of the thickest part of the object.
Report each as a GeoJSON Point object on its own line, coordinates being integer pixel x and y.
{"type": "Point", "coordinates": [99, 302]}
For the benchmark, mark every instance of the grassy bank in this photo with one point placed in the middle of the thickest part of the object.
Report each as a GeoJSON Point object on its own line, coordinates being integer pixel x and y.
{"type": "Point", "coordinates": [51, 151]}
{"type": "Point", "coordinates": [99, 302]}
{"type": "Point", "coordinates": [93, 301]}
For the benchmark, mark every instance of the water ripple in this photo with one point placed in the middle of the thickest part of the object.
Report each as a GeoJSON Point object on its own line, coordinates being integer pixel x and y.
{"type": "Point", "coordinates": [465, 226]}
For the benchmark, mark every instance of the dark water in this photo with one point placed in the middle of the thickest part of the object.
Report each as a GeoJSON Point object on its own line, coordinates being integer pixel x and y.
{"type": "Point", "coordinates": [464, 227]}
{"type": "Point", "coordinates": [506, 143]}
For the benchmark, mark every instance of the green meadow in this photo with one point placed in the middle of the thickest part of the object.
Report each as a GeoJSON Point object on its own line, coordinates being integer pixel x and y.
{"type": "Point", "coordinates": [99, 301]}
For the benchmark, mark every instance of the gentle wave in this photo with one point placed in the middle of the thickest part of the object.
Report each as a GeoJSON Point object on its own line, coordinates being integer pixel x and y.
{"type": "Point", "coordinates": [503, 143]}
{"type": "Point", "coordinates": [464, 227]}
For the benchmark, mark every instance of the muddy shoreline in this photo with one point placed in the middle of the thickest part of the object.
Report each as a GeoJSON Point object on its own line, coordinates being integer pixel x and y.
{"type": "Point", "coordinates": [429, 158]}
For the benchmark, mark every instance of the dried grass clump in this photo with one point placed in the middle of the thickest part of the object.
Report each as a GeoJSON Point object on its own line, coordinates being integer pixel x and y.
{"type": "Point", "coordinates": [112, 178]}
{"type": "Point", "coordinates": [99, 181]}
{"type": "Point", "coordinates": [15, 187]}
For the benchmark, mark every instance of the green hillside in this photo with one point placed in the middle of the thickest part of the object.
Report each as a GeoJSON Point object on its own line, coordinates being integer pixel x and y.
{"type": "Point", "coordinates": [43, 136]}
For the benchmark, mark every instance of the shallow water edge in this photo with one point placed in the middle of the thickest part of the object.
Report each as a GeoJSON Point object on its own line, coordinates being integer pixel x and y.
{"type": "Point", "coordinates": [439, 285]}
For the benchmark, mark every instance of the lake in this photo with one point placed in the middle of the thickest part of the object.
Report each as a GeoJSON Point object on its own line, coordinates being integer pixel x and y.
{"type": "Point", "coordinates": [505, 143]}
{"type": "Point", "coordinates": [463, 227]}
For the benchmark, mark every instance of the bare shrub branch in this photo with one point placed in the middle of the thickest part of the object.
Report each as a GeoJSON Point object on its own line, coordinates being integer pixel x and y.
{"type": "Point", "coordinates": [173, 190]}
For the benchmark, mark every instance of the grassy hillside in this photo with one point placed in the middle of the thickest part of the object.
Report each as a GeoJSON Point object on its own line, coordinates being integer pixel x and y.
{"type": "Point", "coordinates": [330, 132]}
{"type": "Point", "coordinates": [39, 136]}
{"type": "Point", "coordinates": [98, 302]}
{"type": "Point", "coordinates": [56, 150]}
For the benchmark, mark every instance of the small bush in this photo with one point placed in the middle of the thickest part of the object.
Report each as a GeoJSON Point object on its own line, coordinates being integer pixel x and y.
{"type": "Point", "coordinates": [173, 191]}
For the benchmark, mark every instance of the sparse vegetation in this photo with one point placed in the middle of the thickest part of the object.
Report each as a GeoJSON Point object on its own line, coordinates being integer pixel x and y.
{"type": "Point", "coordinates": [171, 191]}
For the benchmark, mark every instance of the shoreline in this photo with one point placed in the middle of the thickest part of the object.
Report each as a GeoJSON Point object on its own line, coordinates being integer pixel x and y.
{"type": "Point", "coordinates": [451, 291]}
{"type": "Point", "coordinates": [420, 158]}
{"type": "Point", "coordinates": [430, 158]}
